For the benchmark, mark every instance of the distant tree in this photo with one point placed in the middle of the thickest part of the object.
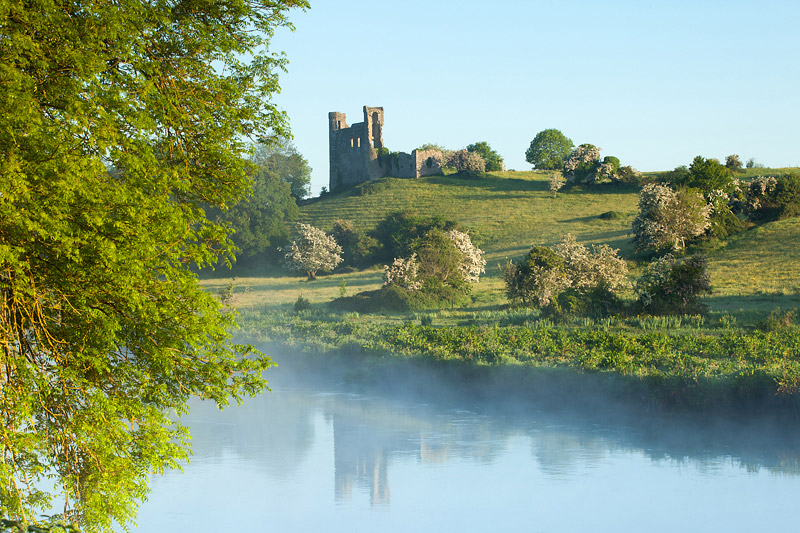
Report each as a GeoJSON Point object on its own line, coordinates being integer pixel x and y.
{"type": "Point", "coordinates": [556, 182]}
{"type": "Point", "coordinates": [494, 161]}
{"type": "Point", "coordinates": [283, 159]}
{"type": "Point", "coordinates": [667, 219]}
{"type": "Point", "coordinates": [706, 175]}
{"type": "Point", "coordinates": [548, 150]}
{"type": "Point", "coordinates": [581, 164]}
{"type": "Point", "coordinates": [261, 220]}
{"type": "Point", "coordinates": [733, 163]}
{"type": "Point", "coordinates": [312, 251]}
{"type": "Point", "coordinates": [466, 161]}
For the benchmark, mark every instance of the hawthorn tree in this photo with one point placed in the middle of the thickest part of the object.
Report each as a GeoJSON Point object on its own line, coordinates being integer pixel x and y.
{"type": "Point", "coordinates": [313, 250]}
{"type": "Point", "coordinates": [548, 150]}
{"type": "Point", "coordinates": [119, 123]}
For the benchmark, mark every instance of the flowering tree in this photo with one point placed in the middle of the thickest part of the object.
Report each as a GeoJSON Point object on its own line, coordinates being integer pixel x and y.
{"type": "Point", "coordinates": [579, 166]}
{"type": "Point", "coordinates": [670, 285]}
{"type": "Point", "coordinates": [536, 279]}
{"type": "Point", "coordinates": [667, 218]}
{"type": "Point", "coordinates": [598, 268]}
{"type": "Point", "coordinates": [403, 273]}
{"type": "Point", "coordinates": [312, 251]}
{"type": "Point", "coordinates": [447, 258]}
{"type": "Point", "coordinates": [466, 161]}
{"type": "Point", "coordinates": [556, 182]}
{"type": "Point", "coordinates": [473, 264]}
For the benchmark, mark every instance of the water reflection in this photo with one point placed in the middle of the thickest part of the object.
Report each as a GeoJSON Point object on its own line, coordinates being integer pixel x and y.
{"type": "Point", "coordinates": [329, 452]}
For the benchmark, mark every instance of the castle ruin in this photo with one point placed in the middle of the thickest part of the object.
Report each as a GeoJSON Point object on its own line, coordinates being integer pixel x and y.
{"type": "Point", "coordinates": [357, 153]}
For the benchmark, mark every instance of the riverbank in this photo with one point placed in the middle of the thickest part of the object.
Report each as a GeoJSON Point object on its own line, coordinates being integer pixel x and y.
{"type": "Point", "coordinates": [703, 369]}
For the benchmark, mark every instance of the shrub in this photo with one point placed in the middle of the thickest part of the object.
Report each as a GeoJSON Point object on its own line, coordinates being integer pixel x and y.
{"type": "Point", "coordinates": [301, 304]}
{"type": "Point", "coordinates": [581, 164]}
{"type": "Point", "coordinates": [398, 231]}
{"type": "Point", "coordinates": [598, 268]}
{"type": "Point", "coordinates": [403, 273]}
{"type": "Point", "coordinates": [358, 248]}
{"type": "Point", "coordinates": [673, 286]}
{"type": "Point", "coordinates": [536, 279]}
{"type": "Point", "coordinates": [667, 219]}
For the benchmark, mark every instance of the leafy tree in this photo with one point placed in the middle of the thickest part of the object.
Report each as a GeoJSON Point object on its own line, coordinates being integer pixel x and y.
{"type": "Point", "coordinates": [548, 150]}
{"type": "Point", "coordinates": [261, 220]}
{"type": "Point", "coordinates": [494, 161]}
{"type": "Point", "coordinates": [706, 175]}
{"type": "Point", "coordinates": [733, 163]}
{"type": "Point", "coordinates": [104, 329]}
{"type": "Point", "coordinates": [398, 232]}
{"type": "Point", "coordinates": [312, 251]}
{"type": "Point", "coordinates": [283, 159]}
{"type": "Point", "coordinates": [667, 219]}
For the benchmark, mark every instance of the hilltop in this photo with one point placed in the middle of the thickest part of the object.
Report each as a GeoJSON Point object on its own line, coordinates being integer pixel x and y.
{"type": "Point", "coordinates": [508, 212]}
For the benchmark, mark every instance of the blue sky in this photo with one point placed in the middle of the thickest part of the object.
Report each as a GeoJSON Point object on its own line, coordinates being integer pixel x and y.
{"type": "Point", "coordinates": [653, 83]}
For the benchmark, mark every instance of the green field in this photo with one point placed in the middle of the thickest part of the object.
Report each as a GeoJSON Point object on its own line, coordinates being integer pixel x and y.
{"type": "Point", "coordinates": [753, 273]}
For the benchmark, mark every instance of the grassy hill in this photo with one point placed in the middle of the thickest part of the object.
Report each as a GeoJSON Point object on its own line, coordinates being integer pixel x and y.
{"type": "Point", "coordinates": [756, 271]}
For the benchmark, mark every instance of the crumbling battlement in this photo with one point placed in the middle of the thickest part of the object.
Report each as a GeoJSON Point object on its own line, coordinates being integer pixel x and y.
{"type": "Point", "coordinates": [355, 152]}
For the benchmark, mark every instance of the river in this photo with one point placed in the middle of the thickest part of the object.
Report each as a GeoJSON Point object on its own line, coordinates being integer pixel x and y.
{"type": "Point", "coordinates": [326, 458]}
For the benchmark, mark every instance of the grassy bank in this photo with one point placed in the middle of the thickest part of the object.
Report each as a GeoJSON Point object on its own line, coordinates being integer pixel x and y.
{"type": "Point", "coordinates": [679, 364]}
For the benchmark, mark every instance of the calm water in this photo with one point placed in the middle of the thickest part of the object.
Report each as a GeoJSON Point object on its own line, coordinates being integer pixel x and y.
{"type": "Point", "coordinates": [324, 459]}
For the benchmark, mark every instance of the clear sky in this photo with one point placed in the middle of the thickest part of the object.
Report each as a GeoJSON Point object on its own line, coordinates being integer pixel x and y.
{"type": "Point", "coordinates": [654, 83]}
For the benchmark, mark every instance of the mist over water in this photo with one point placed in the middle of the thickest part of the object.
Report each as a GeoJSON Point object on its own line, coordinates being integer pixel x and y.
{"type": "Point", "coordinates": [322, 455]}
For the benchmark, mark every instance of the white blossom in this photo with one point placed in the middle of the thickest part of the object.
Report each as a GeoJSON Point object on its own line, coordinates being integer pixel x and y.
{"type": "Point", "coordinates": [312, 251]}
{"type": "Point", "coordinates": [473, 264]}
{"type": "Point", "coordinates": [403, 272]}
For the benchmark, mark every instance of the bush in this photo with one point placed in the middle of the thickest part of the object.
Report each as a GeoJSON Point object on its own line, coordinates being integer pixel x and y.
{"type": "Point", "coordinates": [466, 161]}
{"type": "Point", "coordinates": [301, 304]}
{"type": "Point", "coordinates": [536, 279]}
{"type": "Point", "coordinates": [398, 231]}
{"type": "Point", "coordinates": [706, 175]}
{"type": "Point", "coordinates": [493, 162]}
{"type": "Point", "coordinates": [358, 248]}
{"type": "Point", "coordinates": [674, 286]}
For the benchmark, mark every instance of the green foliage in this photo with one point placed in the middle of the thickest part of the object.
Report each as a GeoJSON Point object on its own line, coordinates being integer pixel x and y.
{"type": "Point", "coordinates": [706, 175]}
{"type": "Point", "coordinates": [261, 220]}
{"type": "Point", "coordinates": [387, 159]}
{"type": "Point", "coordinates": [780, 202]}
{"type": "Point", "coordinates": [610, 215]}
{"type": "Point", "coordinates": [548, 150]}
{"type": "Point", "coordinates": [105, 331]}
{"type": "Point", "coordinates": [674, 286]}
{"type": "Point", "coordinates": [283, 160]}
{"type": "Point", "coordinates": [440, 265]}
{"type": "Point", "coordinates": [733, 163]}
{"type": "Point", "coordinates": [613, 162]}
{"type": "Point", "coordinates": [537, 278]}
{"type": "Point", "coordinates": [493, 160]}
{"type": "Point", "coordinates": [373, 187]}
{"type": "Point", "coordinates": [301, 304]}
{"type": "Point", "coordinates": [358, 248]}
{"type": "Point", "coordinates": [398, 232]}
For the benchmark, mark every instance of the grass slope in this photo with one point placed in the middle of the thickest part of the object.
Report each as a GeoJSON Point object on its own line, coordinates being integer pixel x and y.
{"type": "Point", "coordinates": [758, 270]}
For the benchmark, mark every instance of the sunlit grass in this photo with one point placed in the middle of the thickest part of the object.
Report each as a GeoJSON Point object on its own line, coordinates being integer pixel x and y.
{"type": "Point", "coordinates": [757, 271]}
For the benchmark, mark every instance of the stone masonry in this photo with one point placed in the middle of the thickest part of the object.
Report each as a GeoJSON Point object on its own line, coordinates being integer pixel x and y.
{"type": "Point", "coordinates": [356, 155]}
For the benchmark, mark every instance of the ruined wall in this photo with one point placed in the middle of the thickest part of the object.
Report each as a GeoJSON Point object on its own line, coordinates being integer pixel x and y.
{"type": "Point", "coordinates": [427, 162]}
{"type": "Point", "coordinates": [354, 157]}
